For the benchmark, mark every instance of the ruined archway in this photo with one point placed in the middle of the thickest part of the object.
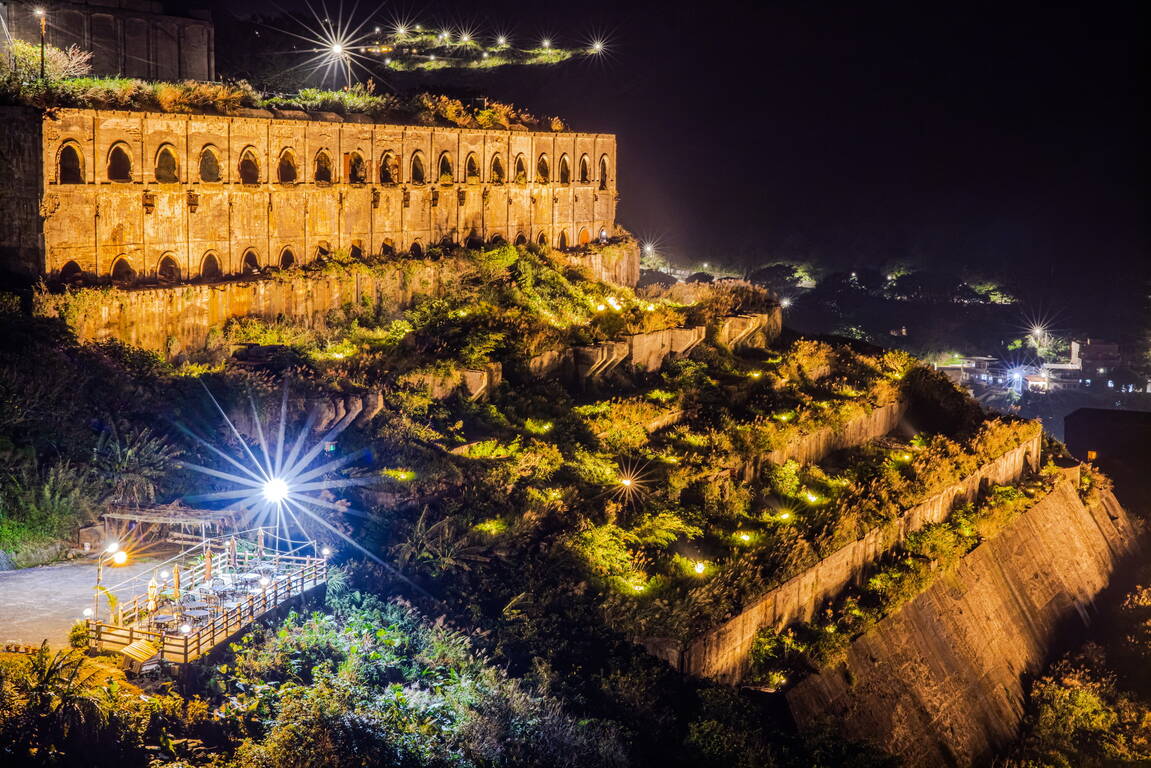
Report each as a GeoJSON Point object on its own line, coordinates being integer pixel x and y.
{"type": "Point", "coordinates": [166, 170]}
{"type": "Point", "coordinates": [209, 165]}
{"type": "Point", "coordinates": [251, 263]}
{"type": "Point", "coordinates": [168, 270]}
{"type": "Point", "coordinates": [122, 271]}
{"type": "Point", "coordinates": [249, 168]}
{"type": "Point", "coordinates": [70, 165]}
{"type": "Point", "coordinates": [322, 174]}
{"type": "Point", "coordinates": [210, 267]}
{"type": "Point", "coordinates": [119, 164]}
{"type": "Point", "coordinates": [286, 169]}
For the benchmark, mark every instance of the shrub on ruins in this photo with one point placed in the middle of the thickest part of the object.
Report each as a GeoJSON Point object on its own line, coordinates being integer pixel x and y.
{"type": "Point", "coordinates": [20, 62]}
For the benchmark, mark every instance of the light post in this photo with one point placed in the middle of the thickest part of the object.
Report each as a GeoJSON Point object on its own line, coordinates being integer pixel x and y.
{"type": "Point", "coordinates": [116, 556]}
{"type": "Point", "coordinates": [43, 17]}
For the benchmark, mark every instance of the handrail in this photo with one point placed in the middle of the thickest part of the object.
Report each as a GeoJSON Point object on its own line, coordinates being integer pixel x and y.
{"type": "Point", "coordinates": [182, 648]}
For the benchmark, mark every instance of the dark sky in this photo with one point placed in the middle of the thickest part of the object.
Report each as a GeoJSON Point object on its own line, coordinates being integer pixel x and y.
{"type": "Point", "coordinates": [1004, 137]}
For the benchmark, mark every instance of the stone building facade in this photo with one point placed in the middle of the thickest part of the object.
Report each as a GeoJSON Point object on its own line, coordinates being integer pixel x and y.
{"type": "Point", "coordinates": [185, 196]}
{"type": "Point", "coordinates": [133, 38]}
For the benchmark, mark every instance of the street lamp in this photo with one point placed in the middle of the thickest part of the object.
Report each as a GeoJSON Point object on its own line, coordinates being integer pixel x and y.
{"type": "Point", "coordinates": [43, 17]}
{"type": "Point", "coordinates": [114, 555]}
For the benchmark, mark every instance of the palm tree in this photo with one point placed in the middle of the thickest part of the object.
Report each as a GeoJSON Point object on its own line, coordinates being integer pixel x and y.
{"type": "Point", "coordinates": [133, 464]}
{"type": "Point", "coordinates": [62, 704]}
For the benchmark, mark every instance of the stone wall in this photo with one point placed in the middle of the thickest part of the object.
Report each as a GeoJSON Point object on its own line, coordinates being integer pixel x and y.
{"type": "Point", "coordinates": [646, 352]}
{"type": "Point", "coordinates": [183, 319]}
{"type": "Point", "coordinates": [722, 652]}
{"type": "Point", "coordinates": [134, 38]}
{"type": "Point", "coordinates": [167, 217]}
{"type": "Point", "coordinates": [941, 683]}
{"type": "Point", "coordinates": [813, 447]}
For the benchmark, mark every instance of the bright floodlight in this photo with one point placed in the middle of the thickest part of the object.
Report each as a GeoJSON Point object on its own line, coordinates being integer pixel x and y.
{"type": "Point", "coordinates": [501, 40]}
{"type": "Point", "coordinates": [275, 490]}
{"type": "Point", "coordinates": [39, 11]}
{"type": "Point", "coordinates": [120, 557]}
{"type": "Point", "coordinates": [546, 43]}
{"type": "Point", "coordinates": [112, 547]}
{"type": "Point", "coordinates": [337, 49]}
{"type": "Point", "coordinates": [785, 303]}
{"type": "Point", "coordinates": [597, 46]}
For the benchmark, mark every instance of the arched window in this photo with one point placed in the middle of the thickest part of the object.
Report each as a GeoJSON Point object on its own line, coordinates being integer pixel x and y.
{"type": "Point", "coordinates": [565, 170]}
{"type": "Point", "coordinates": [251, 263]}
{"type": "Point", "coordinates": [286, 170]}
{"type": "Point", "coordinates": [521, 176]}
{"type": "Point", "coordinates": [563, 243]}
{"type": "Point", "coordinates": [584, 236]}
{"type": "Point", "coordinates": [497, 176]}
{"type": "Point", "coordinates": [71, 170]}
{"type": "Point", "coordinates": [209, 165]}
{"type": "Point", "coordinates": [521, 239]}
{"type": "Point", "coordinates": [417, 176]}
{"type": "Point", "coordinates": [323, 173]}
{"type": "Point", "coordinates": [542, 240]}
{"type": "Point", "coordinates": [447, 175]}
{"type": "Point", "coordinates": [416, 250]}
{"type": "Point", "coordinates": [71, 272]}
{"type": "Point", "coordinates": [498, 239]}
{"type": "Point", "coordinates": [210, 267]}
{"type": "Point", "coordinates": [388, 247]}
{"type": "Point", "coordinates": [389, 170]}
{"type": "Point", "coordinates": [119, 164]}
{"type": "Point", "coordinates": [471, 170]}
{"type": "Point", "coordinates": [473, 241]}
{"type": "Point", "coordinates": [166, 171]}
{"type": "Point", "coordinates": [287, 259]}
{"type": "Point", "coordinates": [584, 170]}
{"type": "Point", "coordinates": [543, 170]}
{"type": "Point", "coordinates": [356, 251]}
{"type": "Point", "coordinates": [603, 172]}
{"type": "Point", "coordinates": [323, 249]}
{"type": "Point", "coordinates": [168, 270]}
{"type": "Point", "coordinates": [249, 168]}
{"type": "Point", "coordinates": [357, 169]}
{"type": "Point", "coordinates": [122, 271]}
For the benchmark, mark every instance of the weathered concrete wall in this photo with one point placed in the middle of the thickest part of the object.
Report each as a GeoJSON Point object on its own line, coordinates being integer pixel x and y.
{"type": "Point", "coordinates": [722, 653]}
{"type": "Point", "coordinates": [134, 38]}
{"type": "Point", "coordinates": [941, 683]}
{"type": "Point", "coordinates": [182, 319]}
{"type": "Point", "coordinates": [643, 352]}
{"type": "Point", "coordinates": [150, 223]}
{"type": "Point", "coordinates": [814, 446]}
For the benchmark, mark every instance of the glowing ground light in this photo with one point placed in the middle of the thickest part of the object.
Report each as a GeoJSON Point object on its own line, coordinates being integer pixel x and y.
{"type": "Point", "coordinates": [597, 46]}
{"type": "Point", "coordinates": [501, 40]}
{"type": "Point", "coordinates": [119, 558]}
{"type": "Point", "coordinates": [785, 303]}
{"type": "Point", "coordinates": [637, 587]}
{"type": "Point", "coordinates": [745, 537]}
{"type": "Point", "coordinates": [650, 307]}
{"type": "Point", "coordinates": [545, 43]}
{"type": "Point", "coordinates": [785, 516]}
{"type": "Point", "coordinates": [699, 567]}
{"type": "Point", "coordinates": [811, 497]}
{"type": "Point", "coordinates": [626, 482]}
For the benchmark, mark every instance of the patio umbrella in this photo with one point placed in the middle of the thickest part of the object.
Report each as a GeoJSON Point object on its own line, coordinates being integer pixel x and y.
{"type": "Point", "coordinates": [176, 582]}
{"type": "Point", "coordinates": [153, 591]}
{"type": "Point", "coordinates": [207, 565]}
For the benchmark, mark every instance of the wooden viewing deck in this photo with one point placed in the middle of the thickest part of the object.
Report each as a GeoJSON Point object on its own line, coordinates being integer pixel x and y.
{"type": "Point", "coordinates": [131, 632]}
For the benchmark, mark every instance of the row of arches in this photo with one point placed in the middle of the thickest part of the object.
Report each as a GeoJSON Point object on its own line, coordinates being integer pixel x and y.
{"type": "Point", "coordinates": [168, 269]}
{"type": "Point", "coordinates": [70, 167]}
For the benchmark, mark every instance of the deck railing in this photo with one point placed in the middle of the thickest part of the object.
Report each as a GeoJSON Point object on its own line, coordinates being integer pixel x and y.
{"type": "Point", "coordinates": [181, 648]}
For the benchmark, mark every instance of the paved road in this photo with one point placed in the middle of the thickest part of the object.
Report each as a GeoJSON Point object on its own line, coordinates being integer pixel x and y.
{"type": "Point", "coordinates": [44, 602]}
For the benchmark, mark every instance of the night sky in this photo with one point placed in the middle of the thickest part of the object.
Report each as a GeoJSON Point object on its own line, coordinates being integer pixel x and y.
{"type": "Point", "coordinates": [1002, 138]}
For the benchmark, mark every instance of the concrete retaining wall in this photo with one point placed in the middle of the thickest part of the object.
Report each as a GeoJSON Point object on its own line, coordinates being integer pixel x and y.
{"type": "Point", "coordinates": [722, 653]}
{"type": "Point", "coordinates": [941, 683]}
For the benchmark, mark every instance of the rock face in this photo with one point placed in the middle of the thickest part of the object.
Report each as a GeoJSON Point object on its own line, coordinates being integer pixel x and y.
{"type": "Point", "coordinates": [941, 683]}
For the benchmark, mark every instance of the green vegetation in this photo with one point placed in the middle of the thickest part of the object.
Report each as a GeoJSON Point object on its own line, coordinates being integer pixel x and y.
{"type": "Point", "coordinates": [67, 84]}
{"type": "Point", "coordinates": [923, 558]}
{"type": "Point", "coordinates": [1092, 709]}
